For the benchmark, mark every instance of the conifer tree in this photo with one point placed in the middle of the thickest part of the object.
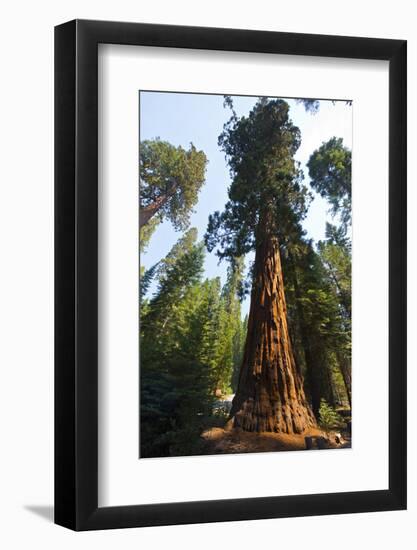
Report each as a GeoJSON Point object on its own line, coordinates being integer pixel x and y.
{"type": "Point", "coordinates": [266, 198]}
{"type": "Point", "coordinates": [330, 168]}
{"type": "Point", "coordinates": [175, 381]}
{"type": "Point", "coordinates": [170, 180]}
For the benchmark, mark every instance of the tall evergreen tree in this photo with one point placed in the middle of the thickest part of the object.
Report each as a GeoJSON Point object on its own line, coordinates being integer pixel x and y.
{"type": "Point", "coordinates": [335, 255]}
{"type": "Point", "coordinates": [239, 339]}
{"type": "Point", "coordinates": [230, 324]}
{"type": "Point", "coordinates": [330, 168]}
{"type": "Point", "coordinates": [266, 198]}
{"type": "Point", "coordinates": [170, 180]}
{"type": "Point", "coordinates": [175, 381]}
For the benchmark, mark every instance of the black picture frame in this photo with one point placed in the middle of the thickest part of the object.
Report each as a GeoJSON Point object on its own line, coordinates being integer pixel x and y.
{"type": "Point", "coordinates": [76, 272]}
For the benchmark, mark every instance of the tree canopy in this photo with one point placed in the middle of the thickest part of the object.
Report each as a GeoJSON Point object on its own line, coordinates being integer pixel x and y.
{"type": "Point", "coordinates": [330, 168]}
{"type": "Point", "coordinates": [170, 180]}
{"type": "Point", "coordinates": [288, 361]}
{"type": "Point", "coordinates": [190, 346]}
{"type": "Point", "coordinates": [266, 192]}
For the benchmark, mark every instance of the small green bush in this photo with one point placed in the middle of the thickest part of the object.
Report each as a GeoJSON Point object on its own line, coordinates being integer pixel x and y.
{"type": "Point", "coordinates": [328, 417]}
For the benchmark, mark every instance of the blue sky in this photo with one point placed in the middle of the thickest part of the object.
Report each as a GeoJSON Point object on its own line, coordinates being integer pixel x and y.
{"type": "Point", "coordinates": [182, 118]}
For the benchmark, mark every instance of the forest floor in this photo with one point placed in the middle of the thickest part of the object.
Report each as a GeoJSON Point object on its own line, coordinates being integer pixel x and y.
{"type": "Point", "coordinates": [222, 441]}
{"type": "Point", "coordinates": [219, 439]}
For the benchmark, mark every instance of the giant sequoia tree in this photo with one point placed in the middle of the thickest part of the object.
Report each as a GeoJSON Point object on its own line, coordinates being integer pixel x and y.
{"type": "Point", "coordinates": [266, 199]}
{"type": "Point", "coordinates": [170, 180]}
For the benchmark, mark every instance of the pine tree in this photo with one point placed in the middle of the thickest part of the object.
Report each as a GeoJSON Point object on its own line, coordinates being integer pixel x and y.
{"type": "Point", "coordinates": [330, 168]}
{"type": "Point", "coordinates": [328, 417]}
{"type": "Point", "coordinates": [238, 349]}
{"type": "Point", "coordinates": [175, 382]}
{"type": "Point", "coordinates": [230, 324]}
{"type": "Point", "coordinates": [335, 254]}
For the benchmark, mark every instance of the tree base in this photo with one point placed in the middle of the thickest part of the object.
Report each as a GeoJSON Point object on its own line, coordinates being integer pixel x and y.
{"type": "Point", "coordinates": [236, 441]}
{"type": "Point", "coordinates": [261, 416]}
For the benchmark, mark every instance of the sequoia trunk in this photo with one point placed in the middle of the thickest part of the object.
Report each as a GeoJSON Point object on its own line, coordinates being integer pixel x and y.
{"type": "Point", "coordinates": [147, 212]}
{"type": "Point", "coordinates": [270, 395]}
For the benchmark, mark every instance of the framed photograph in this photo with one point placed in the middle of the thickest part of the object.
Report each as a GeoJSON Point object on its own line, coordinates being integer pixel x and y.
{"type": "Point", "coordinates": [230, 254]}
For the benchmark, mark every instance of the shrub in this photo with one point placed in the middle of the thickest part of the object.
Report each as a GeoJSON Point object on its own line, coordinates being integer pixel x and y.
{"type": "Point", "coordinates": [328, 417]}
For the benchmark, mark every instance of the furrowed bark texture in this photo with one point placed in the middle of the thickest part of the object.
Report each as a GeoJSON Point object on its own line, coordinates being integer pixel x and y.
{"type": "Point", "coordinates": [270, 395]}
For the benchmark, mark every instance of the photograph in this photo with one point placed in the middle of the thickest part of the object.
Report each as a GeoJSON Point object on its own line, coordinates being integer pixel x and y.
{"type": "Point", "coordinates": [245, 247]}
{"type": "Point", "coordinates": [208, 335]}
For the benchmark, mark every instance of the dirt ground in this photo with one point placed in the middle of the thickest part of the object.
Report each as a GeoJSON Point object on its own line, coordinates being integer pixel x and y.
{"type": "Point", "coordinates": [220, 441]}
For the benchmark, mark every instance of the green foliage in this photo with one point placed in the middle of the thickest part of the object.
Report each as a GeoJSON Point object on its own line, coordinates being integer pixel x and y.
{"type": "Point", "coordinates": [335, 253]}
{"type": "Point", "coordinates": [310, 105]}
{"type": "Point", "coordinates": [239, 340]}
{"type": "Point", "coordinates": [177, 273]}
{"type": "Point", "coordinates": [174, 382]}
{"type": "Point", "coordinates": [192, 336]}
{"type": "Point", "coordinates": [146, 232]}
{"type": "Point", "coordinates": [187, 337]}
{"type": "Point", "coordinates": [170, 180]}
{"type": "Point", "coordinates": [231, 344]}
{"type": "Point", "coordinates": [267, 197]}
{"type": "Point", "coordinates": [146, 278]}
{"type": "Point", "coordinates": [328, 417]}
{"type": "Point", "coordinates": [318, 322]}
{"type": "Point", "coordinates": [318, 283]}
{"type": "Point", "coordinates": [330, 169]}
{"type": "Point", "coordinates": [266, 193]}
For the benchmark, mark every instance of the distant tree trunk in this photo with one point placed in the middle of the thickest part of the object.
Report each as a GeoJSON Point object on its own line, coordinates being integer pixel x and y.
{"type": "Point", "coordinates": [148, 211]}
{"type": "Point", "coordinates": [318, 374]}
{"type": "Point", "coordinates": [270, 395]}
{"type": "Point", "coordinates": [345, 369]}
{"type": "Point", "coordinates": [331, 399]}
{"type": "Point", "coordinates": [313, 372]}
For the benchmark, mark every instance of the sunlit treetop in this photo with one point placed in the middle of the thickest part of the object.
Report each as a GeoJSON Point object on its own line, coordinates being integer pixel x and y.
{"type": "Point", "coordinates": [170, 180]}
{"type": "Point", "coordinates": [266, 194]}
{"type": "Point", "coordinates": [330, 168]}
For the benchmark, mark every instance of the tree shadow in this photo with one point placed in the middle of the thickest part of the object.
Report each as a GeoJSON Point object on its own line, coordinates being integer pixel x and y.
{"type": "Point", "coordinates": [45, 512]}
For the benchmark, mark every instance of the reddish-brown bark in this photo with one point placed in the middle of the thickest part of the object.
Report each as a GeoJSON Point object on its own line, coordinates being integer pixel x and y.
{"type": "Point", "coordinates": [147, 212]}
{"type": "Point", "coordinates": [270, 395]}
